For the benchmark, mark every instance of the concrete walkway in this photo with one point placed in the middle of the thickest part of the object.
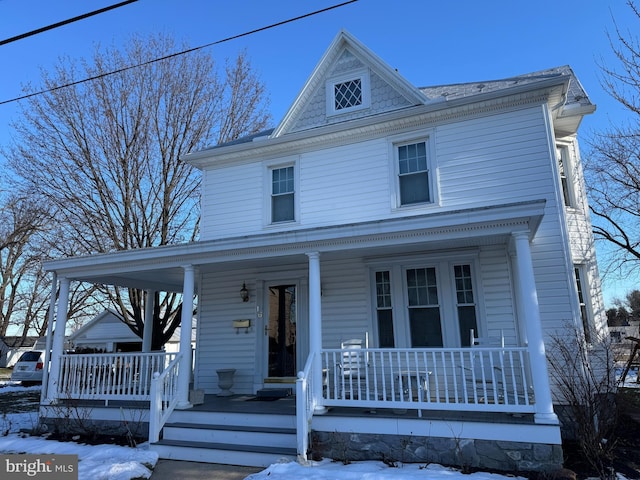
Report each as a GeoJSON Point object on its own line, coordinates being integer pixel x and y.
{"type": "Point", "coordinates": [180, 470]}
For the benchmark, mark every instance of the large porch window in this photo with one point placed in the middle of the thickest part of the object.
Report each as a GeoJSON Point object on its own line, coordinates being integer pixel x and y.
{"type": "Point", "coordinates": [384, 310]}
{"type": "Point", "coordinates": [465, 303]}
{"type": "Point", "coordinates": [424, 308]}
{"type": "Point", "coordinates": [429, 306]}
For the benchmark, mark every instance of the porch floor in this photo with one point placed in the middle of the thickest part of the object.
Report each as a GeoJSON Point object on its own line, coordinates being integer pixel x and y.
{"type": "Point", "coordinates": [247, 403]}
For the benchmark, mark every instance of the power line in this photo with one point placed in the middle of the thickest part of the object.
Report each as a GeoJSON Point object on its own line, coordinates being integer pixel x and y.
{"type": "Point", "coordinates": [65, 22]}
{"type": "Point", "coordinates": [227, 39]}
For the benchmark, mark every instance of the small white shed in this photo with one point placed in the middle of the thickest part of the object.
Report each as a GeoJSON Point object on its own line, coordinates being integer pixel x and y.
{"type": "Point", "coordinates": [108, 332]}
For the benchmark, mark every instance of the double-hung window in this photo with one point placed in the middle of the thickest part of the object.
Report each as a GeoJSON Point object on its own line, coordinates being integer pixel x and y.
{"type": "Point", "coordinates": [413, 173]}
{"type": "Point", "coordinates": [564, 166]}
{"type": "Point", "coordinates": [424, 308]}
{"type": "Point", "coordinates": [282, 194]}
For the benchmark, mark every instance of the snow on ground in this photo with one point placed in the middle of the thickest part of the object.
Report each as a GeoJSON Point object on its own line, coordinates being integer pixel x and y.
{"type": "Point", "coordinates": [329, 470]}
{"type": "Point", "coordinates": [95, 462]}
{"type": "Point", "coordinates": [8, 386]}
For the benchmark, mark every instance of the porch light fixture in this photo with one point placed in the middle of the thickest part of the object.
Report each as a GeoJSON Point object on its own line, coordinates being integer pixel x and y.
{"type": "Point", "coordinates": [244, 293]}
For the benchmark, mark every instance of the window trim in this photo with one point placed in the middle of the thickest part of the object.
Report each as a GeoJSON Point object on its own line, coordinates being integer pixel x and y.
{"type": "Point", "coordinates": [364, 77]}
{"type": "Point", "coordinates": [581, 277]}
{"type": "Point", "coordinates": [445, 278]}
{"type": "Point", "coordinates": [428, 137]}
{"type": "Point", "coordinates": [568, 194]}
{"type": "Point", "coordinates": [268, 168]}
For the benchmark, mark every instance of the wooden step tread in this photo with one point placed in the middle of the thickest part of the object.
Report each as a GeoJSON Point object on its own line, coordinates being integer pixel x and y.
{"type": "Point", "coordinates": [228, 446]}
{"type": "Point", "coordinates": [232, 428]}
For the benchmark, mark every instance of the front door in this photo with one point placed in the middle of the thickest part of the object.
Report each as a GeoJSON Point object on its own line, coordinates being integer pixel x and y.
{"type": "Point", "coordinates": [281, 331]}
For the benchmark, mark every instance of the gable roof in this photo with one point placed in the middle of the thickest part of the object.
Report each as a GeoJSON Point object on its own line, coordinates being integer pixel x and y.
{"type": "Point", "coordinates": [568, 103]}
{"type": "Point", "coordinates": [105, 314]}
{"type": "Point", "coordinates": [345, 44]}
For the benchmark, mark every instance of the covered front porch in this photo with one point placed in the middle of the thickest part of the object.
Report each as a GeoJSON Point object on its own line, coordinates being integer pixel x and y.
{"type": "Point", "coordinates": [509, 379]}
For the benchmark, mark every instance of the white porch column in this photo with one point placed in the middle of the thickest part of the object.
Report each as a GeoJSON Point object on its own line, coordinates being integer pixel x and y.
{"type": "Point", "coordinates": [529, 299]}
{"type": "Point", "coordinates": [48, 340]}
{"type": "Point", "coordinates": [58, 340]}
{"type": "Point", "coordinates": [184, 374]}
{"type": "Point", "coordinates": [147, 332]}
{"type": "Point", "coordinates": [315, 328]}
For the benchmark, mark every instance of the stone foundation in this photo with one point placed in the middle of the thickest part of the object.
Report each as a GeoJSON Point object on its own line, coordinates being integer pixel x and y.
{"type": "Point", "coordinates": [465, 454]}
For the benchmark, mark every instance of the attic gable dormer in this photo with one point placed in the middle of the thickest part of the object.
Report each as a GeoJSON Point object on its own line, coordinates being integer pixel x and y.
{"type": "Point", "coordinates": [349, 82]}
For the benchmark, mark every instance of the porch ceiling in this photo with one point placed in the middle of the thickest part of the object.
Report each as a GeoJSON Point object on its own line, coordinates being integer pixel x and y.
{"type": "Point", "coordinates": [161, 268]}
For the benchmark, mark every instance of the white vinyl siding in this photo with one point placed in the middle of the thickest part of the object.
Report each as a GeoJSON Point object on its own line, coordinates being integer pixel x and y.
{"type": "Point", "coordinates": [348, 311]}
{"type": "Point", "coordinates": [494, 159]}
{"type": "Point", "coordinates": [232, 200]}
{"type": "Point", "coordinates": [482, 161]}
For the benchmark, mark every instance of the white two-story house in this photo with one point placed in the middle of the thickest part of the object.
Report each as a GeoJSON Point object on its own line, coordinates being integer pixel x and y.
{"type": "Point", "coordinates": [395, 257]}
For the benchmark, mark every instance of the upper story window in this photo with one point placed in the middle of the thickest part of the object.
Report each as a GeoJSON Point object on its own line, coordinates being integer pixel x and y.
{"type": "Point", "coordinates": [348, 92]}
{"type": "Point", "coordinates": [413, 173]}
{"type": "Point", "coordinates": [282, 194]}
{"type": "Point", "coordinates": [564, 169]}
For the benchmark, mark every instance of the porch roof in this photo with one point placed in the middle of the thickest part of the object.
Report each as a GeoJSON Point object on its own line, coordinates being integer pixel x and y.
{"type": "Point", "coordinates": [161, 268]}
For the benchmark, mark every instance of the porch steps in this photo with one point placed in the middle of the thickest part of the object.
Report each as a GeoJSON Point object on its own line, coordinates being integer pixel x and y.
{"type": "Point", "coordinates": [256, 440]}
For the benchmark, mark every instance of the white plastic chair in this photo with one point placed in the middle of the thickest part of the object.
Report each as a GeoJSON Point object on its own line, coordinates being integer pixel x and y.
{"type": "Point", "coordinates": [350, 371]}
{"type": "Point", "coordinates": [484, 375]}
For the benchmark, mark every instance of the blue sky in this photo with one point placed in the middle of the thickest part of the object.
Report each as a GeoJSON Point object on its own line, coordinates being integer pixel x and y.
{"type": "Point", "coordinates": [429, 42]}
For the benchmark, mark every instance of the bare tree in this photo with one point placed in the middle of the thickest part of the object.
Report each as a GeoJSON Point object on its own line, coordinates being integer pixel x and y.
{"type": "Point", "coordinates": [22, 285]}
{"type": "Point", "coordinates": [613, 167]}
{"type": "Point", "coordinates": [585, 381]}
{"type": "Point", "coordinates": [106, 153]}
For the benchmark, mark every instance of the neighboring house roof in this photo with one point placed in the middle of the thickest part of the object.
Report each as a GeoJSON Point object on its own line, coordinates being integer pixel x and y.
{"type": "Point", "coordinates": [19, 342]}
{"type": "Point", "coordinates": [105, 327]}
{"type": "Point", "coordinates": [94, 330]}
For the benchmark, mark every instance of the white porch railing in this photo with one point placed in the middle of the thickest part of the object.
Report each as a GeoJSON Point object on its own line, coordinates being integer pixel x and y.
{"type": "Point", "coordinates": [479, 379]}
{"type": "Point", "coordinates": [305, 405]}
{"type": "Point", "coordinates": [164, 398]}
{"type": "Point", "coordinates": [110, 376]}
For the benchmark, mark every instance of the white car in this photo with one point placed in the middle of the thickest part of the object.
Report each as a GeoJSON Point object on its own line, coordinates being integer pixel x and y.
{"type": "Point", "coordinates": [29, 368]}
